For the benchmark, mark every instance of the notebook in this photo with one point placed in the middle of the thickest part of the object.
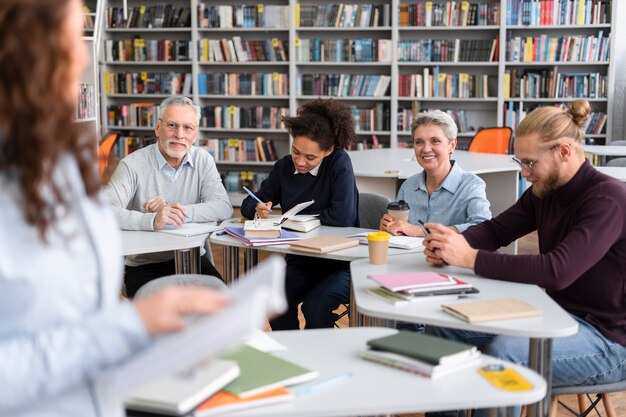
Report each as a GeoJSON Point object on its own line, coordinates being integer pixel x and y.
{"type": "Point", "coordinates": [491, 310]}
{"type": "Point", "coordinates": [400, 298]}
{"type": "Point", "coordinates": [261, 228]}
{"type": "Point", "coordinates": [238, 233]}
{"type": "Point", "coordinates": [302, 223]}
{"type": "Point", "coordinates": [323, 244]}
{"type": "Point", "coordinates": [224, 402]}
{"type": "Point", "coordinates": [262, 371]}
{"type": "Point", "coordinates": [190, 229]}
{"type": "Point", "coordinates": [410, 280]}
{"type": "Point", "coordinates": [400, 242]}
{"type": "Point", "coordinates": [180, 393]}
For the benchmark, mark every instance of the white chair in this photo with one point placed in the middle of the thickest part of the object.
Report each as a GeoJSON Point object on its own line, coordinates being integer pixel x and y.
{"type": "Point", "coordinates": [198, 280]}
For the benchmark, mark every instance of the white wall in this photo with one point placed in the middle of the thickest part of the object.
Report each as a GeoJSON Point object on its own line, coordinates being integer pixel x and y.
{"type": "Point", "coordinates": [619, 95]}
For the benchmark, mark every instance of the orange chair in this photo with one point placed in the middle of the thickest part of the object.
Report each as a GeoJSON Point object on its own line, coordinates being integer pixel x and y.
{"type": "Point", "coordinates": [104, 152]}
{"type": "Point", "coordinates": [492, 140]}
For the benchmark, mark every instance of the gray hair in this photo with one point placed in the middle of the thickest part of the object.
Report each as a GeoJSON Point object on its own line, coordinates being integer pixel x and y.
{"type": "Point", "coordinates": [438, 118]}
{"type": "Point", "coordinates": [179, 101]}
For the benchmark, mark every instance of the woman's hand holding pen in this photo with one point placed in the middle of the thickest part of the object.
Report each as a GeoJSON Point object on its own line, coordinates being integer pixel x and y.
{"type": "Point", "coordinates": [263, 210]}
{"type": "Point", "coordinates": [445, 246]}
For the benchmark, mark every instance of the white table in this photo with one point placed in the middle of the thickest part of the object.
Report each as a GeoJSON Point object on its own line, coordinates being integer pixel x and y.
{"type": "Point", "coordinates": [381, 171]}
{"type": "Point", "coordinates": [615, 172]}
{"type": "Point", "coordinates": [599, 152]}
{"type": "Point", "coordinates": [555, 322]}
{"type": "Point", "coordinates": [187, 249]}
{"type": "Point", "coordinates": [232, 246]}
{"type": "Point", "coordinates": [376, 389]}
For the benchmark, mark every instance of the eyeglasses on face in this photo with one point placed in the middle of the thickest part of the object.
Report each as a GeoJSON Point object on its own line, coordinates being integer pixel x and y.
{"type": "Point", "coordinates": [175, 126]}
{"type": "Point", "coordinates": [529, 164]}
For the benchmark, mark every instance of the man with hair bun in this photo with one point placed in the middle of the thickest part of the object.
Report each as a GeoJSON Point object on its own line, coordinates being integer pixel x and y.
{"type": "Point", "coordinates": [580, 217]}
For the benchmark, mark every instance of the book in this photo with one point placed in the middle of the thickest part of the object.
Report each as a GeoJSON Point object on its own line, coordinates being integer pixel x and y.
{"type": "Point", "coordinates": [302, 223]}
{"type": "Point", "coordinates": [261, 228]}
{"type": "Point", "coordinates": [400, 242]}
{"type": "Point", "coordinates": [397, 300]}
{"type": "Point", "coordinates": [261, 371]}
{"type": "Point", "coordinates": [425, 348]}
{"type": "Point", "coordinates": [415, 366]}
{"type": "Point", "coordinates": [410, 280]}
{"type": "Point", "coordinates": [190, 229]}
{"type": "Point", "coordinates": [323, 244]}
{"type": "Point", "coordinates": [289, 214]}
{"type": "Point", "coordinates": [492, 310]}
{"type": "Point", "coordinates": [238, 233]}
{"type": "Point", "coordinates": [181, 392]}
{"type": "Point", "coordinates": [224, 402]}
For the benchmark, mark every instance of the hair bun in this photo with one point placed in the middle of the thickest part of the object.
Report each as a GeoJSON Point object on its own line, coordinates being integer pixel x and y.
{"type": "Point", "coordinates": [579, 110]}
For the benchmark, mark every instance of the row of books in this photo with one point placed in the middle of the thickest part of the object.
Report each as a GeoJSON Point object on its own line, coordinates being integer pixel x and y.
{"type": "Point", "coordinates": [546, 83]}
{"type": "Point", "coordinates": [545, 48]}
{"type": "Point", "coordinates": [129, 82]}
{"type": "Point", "coordinates": [344, 50]}
{"type": "Point", "coordinates": [88, 18]}
{"type": "Point", "coordinates": [240, 150]}
{"type": "Point", "coordinates": [241, 50]}
{"type": "Point", "coordinates": [406, 115]}
{"type": "Point", "coordinates": [235, 117]}
{"type": "Point", "coordinates": [128, 144]}
{"type": "Point", "coordinates": [364, 144]}
{"type": "Point", "coordinates": [596, 123]}
{"type": "Point", "coordinates": [514, 113]}
{"type": "Point", "coordinates": [441, 84]}
{"type": "Point", "coordinates": [373, 118]}
{"type": "Point", "coordinates": [343, 85]}
{"type": "Point", "coordinates": [86, 101]}
{"type": "Point", "coordinates": [557, 12]}
{"type": "Point", "coordinates": [450, 13]}
{"type": "Point", "coordinates": [243, 16]}
{"type": "Point", "coordinates": [342, 15]}
{"type": "Point", "coordinates": [448, 50]}
{"type": "Point", "coordinates": [134, 114]}
{"type": "Point", "coordinates": [237, 83]}
{"type": "Point", "coordinates": [158, 16]}
{"type": "Point", "coordinates": [138, 49]}
{"type": "Point", "coordinates": [234, 181]}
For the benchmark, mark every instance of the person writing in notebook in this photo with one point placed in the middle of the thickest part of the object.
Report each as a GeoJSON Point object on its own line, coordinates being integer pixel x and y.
{"type": "Point", "coordinates": [442, 192]}
{"type": "Point", "coordinates": [318, 169]}
{"type": "Point", "coordinates": [62, 321]}
{"type": "Point", "coordinates": [580, 218]}
{"type": "Point", "coordinates": [167, 184]}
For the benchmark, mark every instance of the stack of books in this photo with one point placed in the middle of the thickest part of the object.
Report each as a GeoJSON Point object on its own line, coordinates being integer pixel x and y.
{"type": "Point", "coordinates": [406, 287]}
{"type": "Point", "coordinates": [421, 354]}
{"type": "Point", "coordinates": [239, 233]}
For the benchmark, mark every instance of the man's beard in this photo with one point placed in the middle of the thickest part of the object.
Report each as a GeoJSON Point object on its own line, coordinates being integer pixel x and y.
{"type": "Point", "coordinates": [547, 186]}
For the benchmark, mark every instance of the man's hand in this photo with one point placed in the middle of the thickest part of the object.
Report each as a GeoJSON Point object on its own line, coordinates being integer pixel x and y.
{"type": "Point", "coordinates": [263, 210]}
{"type": "Point", "coordinates": [445, 246]}
{"type": "Point", "coordinates": [154, 204]}
{"type": "Point", "coordinates": [164, 311]}
{"type": "Point", "coordinates": [172, 214]}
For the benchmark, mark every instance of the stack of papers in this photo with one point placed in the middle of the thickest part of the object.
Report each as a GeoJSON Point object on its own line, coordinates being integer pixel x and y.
{"type": "Point", "coordinates": [238, 233]}
{"type": "Point", "coordinates": [406, 287]}
{"type": "Point", "coordinates": [421, 354]}
{"type": "Point", "coordinates": [401, 242]}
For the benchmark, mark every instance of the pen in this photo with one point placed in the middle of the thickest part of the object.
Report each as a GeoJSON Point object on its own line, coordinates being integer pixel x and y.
{"type": "Point", "coordinates": [322, 385]}
{"type": "Point", "coordinates": [424, 228]}
{"type": "Point", "coordinates": [251, 194]}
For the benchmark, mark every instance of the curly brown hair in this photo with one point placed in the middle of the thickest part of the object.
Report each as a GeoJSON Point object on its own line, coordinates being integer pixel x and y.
{"type": "Point", "coordinates": [36, 114]}
{"type": "Point", "coordinates": [327, 122]}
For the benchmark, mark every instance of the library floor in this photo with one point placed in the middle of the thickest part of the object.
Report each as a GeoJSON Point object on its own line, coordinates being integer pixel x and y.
{"type": "Point", "coordinates": [527, 244]}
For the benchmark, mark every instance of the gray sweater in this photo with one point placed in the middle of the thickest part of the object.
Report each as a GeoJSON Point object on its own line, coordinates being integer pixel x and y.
{"type": "Point", "coordinates": [140, 177]}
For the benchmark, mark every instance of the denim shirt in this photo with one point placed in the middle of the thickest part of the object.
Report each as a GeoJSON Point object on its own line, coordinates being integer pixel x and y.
{"type": "Point", "coordinates": [460, 200]}
{"type": "Point", "coordinates": [61, 317]}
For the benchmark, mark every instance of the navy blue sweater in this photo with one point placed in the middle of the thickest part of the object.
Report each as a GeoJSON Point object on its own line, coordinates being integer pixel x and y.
{"type": "Point", "coordinates": [333, 189]}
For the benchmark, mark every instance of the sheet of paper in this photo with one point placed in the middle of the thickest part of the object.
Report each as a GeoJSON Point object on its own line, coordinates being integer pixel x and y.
{"type": "Point", "coordinates": [191, 229]}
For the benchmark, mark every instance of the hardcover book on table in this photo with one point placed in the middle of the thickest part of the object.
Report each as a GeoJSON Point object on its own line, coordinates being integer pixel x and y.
{"type": "Point", "coordinates": [324, 244]}
{"type": "Point", "coordinates": [491, 310]}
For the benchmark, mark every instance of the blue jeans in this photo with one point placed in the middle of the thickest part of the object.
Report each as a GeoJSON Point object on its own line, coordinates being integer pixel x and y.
{"type": "Point", "coordinates": [586, 358]}
{"type": "Point", "coordinates": [321, 285]}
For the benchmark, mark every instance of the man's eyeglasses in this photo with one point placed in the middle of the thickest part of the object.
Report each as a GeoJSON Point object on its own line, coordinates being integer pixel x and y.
{"type": "Point", "coordinates": [174, 127]}
{"type": "Point", "coordinates": [529, 164]}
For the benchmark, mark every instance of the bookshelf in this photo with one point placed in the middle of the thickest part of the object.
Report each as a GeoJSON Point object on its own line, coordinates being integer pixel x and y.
{"type": "Point", "coordinates": [247, 63]}
{"type": "Point", "coordinates": [87, 113]}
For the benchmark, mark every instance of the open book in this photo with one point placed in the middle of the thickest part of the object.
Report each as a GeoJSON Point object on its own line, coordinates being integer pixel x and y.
{"type": "Point", "coordinates": [401, 242]}
{"type": "Point", "coordinates": [260, 293]}
{"type": "Point", "coordinates": [190, 229]}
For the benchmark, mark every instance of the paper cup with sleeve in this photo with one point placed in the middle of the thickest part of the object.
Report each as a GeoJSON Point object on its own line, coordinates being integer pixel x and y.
{"type": "Point", "coordinates": [378, 245]}
{"type": "Point", "coordinates": [399, 210]}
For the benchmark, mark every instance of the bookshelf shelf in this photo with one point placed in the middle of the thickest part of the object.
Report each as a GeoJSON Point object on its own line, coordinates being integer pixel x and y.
{"type": "Point", "coordinates": [248, 63]}
{"type": "Point", "coordinates": [343, 64]}
{"type": "Point", "coordinates": [447, 64]}
{"type": "Point", "coordinates": [240, 97]}
{"type": "Point", "coordinates": [559, 27]}
{"type": "Point", "coordinates": [453, 99]}
{"type": "Point", "coordinates": [345, 30]}
{"type": "Point", "coordinates": [149, 63]}
{"type": "Point", "coordinates": [554, 100]}
{"type": "Point", "coordinates": [557, 63]}
{"type": "Point", "coordinates": [241, 130]}
{"type": "Point", "coordinates": [143, 96]}
{"type": "Point", "coordinates": [430, 29]}
{"type": "Point", "coordinates": [148, 30]}
{"type": "Point", "coordinates": [343, 98]}
{"type": "Point", "coordinates": [243, 30]}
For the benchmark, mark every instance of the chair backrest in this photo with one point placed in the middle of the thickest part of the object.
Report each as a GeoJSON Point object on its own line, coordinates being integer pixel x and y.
{"type": "Point", "coordinates": [372, 207]}
{"type": "Point", "coordinates": [492, 140]}
{"type": "Point", "coordinates": [197, 280]}
{"type": "Point", "coordinates": [618, 143]}
{"type": "Point", "coordinates": [104, 152]}
{"type": "Point", "coordinates": [617, 162]}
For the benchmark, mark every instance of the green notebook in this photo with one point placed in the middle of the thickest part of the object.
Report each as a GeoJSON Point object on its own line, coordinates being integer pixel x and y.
{"type": "Point", "coordinates": [261, 371]}
{"type": "Point", "coordinates": [429, 349]}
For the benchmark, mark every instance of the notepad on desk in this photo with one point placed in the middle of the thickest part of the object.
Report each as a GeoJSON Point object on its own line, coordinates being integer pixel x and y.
{"type": "Point", "coordinates": [238, 233]}
{"type": "Point", "coordinates": [400, 242]}
{"type": "Point", "coordinates": [302, 223]}
{"type": "Point", "coordinates": [190, 229]}
{"type": "Point", "coordinates": [323, 244]}
{"type": "Point", "coordinates": [267, 228]}
{"type": "Point", "coordinates": [491, 310]}
{"type": "Point", "coordinates": [224, 402]}
{"type": "Point", "coordinates": [412, 280]}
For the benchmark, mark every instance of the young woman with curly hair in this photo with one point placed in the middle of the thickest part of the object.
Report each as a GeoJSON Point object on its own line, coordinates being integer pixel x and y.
{"type": "Point", "coordinates": [318, 169]}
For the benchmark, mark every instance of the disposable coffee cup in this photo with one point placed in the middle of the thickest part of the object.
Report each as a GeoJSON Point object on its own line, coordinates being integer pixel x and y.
{"type": "Point", "coordinates": [399, 210]}
{"type": "Point", "coordinates": [378, 245]}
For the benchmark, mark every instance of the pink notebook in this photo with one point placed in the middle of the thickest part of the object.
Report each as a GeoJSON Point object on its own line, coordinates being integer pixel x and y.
{"type": "Point", "coordinates": [407, 280]}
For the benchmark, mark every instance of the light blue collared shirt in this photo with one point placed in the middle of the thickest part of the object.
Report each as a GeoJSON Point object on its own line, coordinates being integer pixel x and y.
{"type": "Point", "coordinates": [167, 170]}
{"type": "Point", "coordinates": [460, 200]}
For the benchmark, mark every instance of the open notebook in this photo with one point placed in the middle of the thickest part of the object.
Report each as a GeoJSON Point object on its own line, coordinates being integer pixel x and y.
{"type": "Point", "coordinates": [401, 242]}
